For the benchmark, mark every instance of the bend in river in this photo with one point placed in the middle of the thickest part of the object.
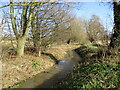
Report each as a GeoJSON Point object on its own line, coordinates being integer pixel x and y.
{"type": "Point", "coordinates": [55, 74]}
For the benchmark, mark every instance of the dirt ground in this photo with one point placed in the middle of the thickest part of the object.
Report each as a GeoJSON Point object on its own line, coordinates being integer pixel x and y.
{"type": "Point", "coordinates": [17, 69]}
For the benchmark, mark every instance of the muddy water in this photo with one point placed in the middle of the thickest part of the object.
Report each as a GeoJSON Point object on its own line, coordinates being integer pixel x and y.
{"type": "Point", "coordinates": [55, 74]}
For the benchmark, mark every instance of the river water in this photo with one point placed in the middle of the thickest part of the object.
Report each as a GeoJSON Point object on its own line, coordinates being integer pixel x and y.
{"type": "Point", "coordinates": [58, 72]}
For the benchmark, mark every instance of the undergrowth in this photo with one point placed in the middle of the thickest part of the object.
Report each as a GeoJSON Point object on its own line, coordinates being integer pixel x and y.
{"type": "Point", "coordinates": [94, 73]}
{"type": "Point", "coordinates": [93, 76]}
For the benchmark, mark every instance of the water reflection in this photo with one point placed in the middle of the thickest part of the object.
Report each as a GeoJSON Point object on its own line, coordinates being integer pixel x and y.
{"type": "Point", "coordinates": [62, 62]}
{"type": "Point", "coordinates": [54, 75]}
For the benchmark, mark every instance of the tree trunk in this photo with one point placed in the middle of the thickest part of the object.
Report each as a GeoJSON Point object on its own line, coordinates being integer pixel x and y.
{"type": "Point", "coordinates": [37, 45]}
{"type": "Point", "coordinates": [20, 46]}
{"type": "Point", "coordinates": [36, 40]}
{"type": "Point", "coordinates": [115, 39]}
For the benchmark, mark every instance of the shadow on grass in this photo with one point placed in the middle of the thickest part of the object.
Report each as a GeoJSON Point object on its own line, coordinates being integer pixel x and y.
{"type": "Point", "coordinates": [32, 49]}
{"type": "Point", "coordinates": [94, 73]}
{"type": "Point", "coordinates": [89, 51]}
{"type": "Point", "coordinates": [93, 76]}
{"type": "Point", "coordinates": [51, 56]}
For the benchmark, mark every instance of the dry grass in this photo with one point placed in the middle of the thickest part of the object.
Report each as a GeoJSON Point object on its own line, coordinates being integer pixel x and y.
{"type": "Point", "coordinates": [16, 69]}
{"type": "Point", "coordinates": [60, 51]}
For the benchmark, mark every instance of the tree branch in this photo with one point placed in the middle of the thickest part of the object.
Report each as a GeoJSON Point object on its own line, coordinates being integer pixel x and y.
{"type": "Point", "coordinates": [29, 19]}
{"type": "Point", "coordinates": [13, 20]}
{"type": "Point", "coordinates": [24, 18]}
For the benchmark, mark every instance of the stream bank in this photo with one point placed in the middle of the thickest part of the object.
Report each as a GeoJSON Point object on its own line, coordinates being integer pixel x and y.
{"type": "Point", "coordinates": [49, 78]}
{"type": "Point", "coordinates": [16, 69]}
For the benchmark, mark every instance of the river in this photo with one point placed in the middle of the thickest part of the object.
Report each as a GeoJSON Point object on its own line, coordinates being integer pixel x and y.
{"type": "Point", "coordinates": [58, 72]}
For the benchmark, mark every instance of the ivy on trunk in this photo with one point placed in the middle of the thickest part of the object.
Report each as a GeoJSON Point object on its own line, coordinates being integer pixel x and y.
{"type": "Point", "coordinates": [115, 39]}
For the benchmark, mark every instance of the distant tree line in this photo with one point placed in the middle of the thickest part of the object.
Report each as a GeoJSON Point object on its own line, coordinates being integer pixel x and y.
{"type": "Point", "coordinates": [46, 23]}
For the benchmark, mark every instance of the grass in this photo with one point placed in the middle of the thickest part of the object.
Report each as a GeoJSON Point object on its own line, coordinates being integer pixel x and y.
{"type": "Point", "coordinates": [89, 50]}
{"type": "Point", "coordinates": [95, 73]}
{"type": "Point", "coordinates": [15, 86]}
{"type": "Point", "coordinates": [17, 69]}
{"type": "Point", "coordinates": [93, 76]}
{"type": "Point", "coordinates": [36, 64]}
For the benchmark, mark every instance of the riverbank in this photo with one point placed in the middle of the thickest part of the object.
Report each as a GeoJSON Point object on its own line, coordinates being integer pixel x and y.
{"type": "Point", "coordinates": [17, 69]}
{"type": "Point", "coordinates": [49, 78]}
{"type": "Point", "coordinates": [94, 72]}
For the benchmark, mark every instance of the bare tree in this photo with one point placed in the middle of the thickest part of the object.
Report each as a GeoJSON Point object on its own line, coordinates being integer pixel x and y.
{"type": "Point", "coordinates": [94, 29]}
{"type": "Point", "coordinates": [46, 20]}
{"type": "Point", "coordinates": [25, 22]}
{"type": "Point", "coordinates": [78, 31]}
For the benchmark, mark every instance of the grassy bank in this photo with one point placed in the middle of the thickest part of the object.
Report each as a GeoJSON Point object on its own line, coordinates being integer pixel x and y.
{"type": "Point", "coordinates": [94, 71]}
{"type": "Point", "coordinates": [16, 69]}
